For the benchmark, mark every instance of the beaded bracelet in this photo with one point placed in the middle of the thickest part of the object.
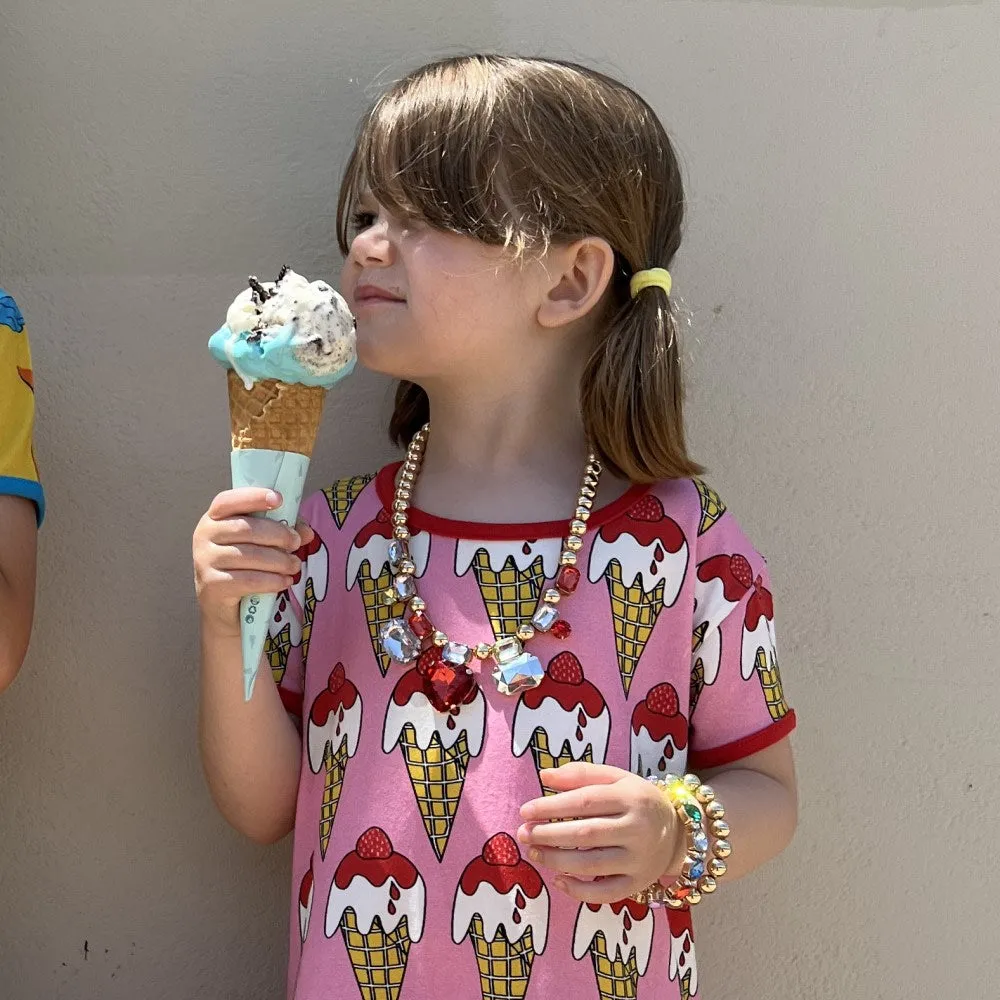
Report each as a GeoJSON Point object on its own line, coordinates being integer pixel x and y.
{"type": "Point", "coordinates": [699, 874]}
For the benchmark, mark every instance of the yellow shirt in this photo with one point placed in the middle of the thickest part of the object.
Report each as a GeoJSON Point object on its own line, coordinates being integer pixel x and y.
{"type": "Point", "coordinates": [18, 471]}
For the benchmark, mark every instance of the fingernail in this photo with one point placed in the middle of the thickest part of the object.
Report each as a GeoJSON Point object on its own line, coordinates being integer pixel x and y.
{"type": "Point", "coordinates": [296, 540]}
{"type": "Point", "coordinates": [272, 499]}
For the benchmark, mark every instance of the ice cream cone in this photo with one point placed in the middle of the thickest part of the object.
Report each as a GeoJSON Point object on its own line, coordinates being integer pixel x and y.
{"type": "Point", "coordinates": [276, 649]}
{"type": "Point", "coordinates": [378, 959]}
{"type": "Point", "coordinates": [635, 612]}
{"type": "Point", "coordinates": [545, 759]}
{"type": "Point", "coordinates": [686, 986]}
{"type": "Point", "coordinates": [616, 980]}
{"type": "Point", "coordinates": [273, 415]}
{"type": "Point", "coordinates": [712, 506]}
{"type": "Point", "coordinates": [770, 681]}
{"type": "Point", "coordinates": [342, 494]}
{"type": "Point", "coordinates": [511, 595]}
{"type": "Point", "coordinates": [437, 775]}
{"type": "Point", "coordinates": [376, 610]}
{"type": "Point", "coordinates": [697, 684]}
{"type": "Point", "coordinates": [504, 967]}
{"type": "Point", "coordinates": [335, 767]}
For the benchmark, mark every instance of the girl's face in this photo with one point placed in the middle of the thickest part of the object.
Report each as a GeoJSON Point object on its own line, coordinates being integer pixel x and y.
{"type": "Point", "coordinates": [432, 305]}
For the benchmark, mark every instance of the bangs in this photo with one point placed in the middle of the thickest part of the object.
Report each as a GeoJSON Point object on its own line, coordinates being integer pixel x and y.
{"type": "Point", "coordinates": [442, 146]}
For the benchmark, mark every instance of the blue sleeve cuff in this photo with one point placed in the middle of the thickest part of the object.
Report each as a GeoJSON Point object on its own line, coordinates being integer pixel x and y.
{"type": "Point", "coordinates": [13, 486]}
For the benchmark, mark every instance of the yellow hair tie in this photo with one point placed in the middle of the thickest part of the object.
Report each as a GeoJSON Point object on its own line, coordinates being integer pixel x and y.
{"type": "Point", "coordinates": [653, 277]}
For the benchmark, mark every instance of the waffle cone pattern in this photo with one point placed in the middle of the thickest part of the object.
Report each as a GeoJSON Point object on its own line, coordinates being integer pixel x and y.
{"type": "Point", "coordinates": [274, 415]}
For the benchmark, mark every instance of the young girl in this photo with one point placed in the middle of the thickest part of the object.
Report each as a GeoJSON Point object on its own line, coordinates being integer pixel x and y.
{"type": "Point", "coordinates": [483, 655]}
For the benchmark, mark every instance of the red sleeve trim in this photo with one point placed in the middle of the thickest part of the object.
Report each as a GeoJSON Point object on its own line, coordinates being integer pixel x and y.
{"type": "Point", "coordinates": [489, 532]}
{"type": "Point", "coordinates": [729, 753]}
{"type": "Point", "coordinates": [292, 702]}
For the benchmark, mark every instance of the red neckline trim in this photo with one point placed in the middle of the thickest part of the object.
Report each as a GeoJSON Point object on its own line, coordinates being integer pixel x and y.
{"type": "Point", "coordinates": [385, 486]}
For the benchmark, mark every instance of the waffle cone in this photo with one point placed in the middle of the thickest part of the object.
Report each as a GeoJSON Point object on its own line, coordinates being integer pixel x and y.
{"type": "Point", "coordinates": [377, 958]}
{"type": "Point", "coordinates": [273, 415]}
{"type": "Point", "coordinates": [635, 613]}
{"type": "Point", "coordinates": [770, 681]}
{"type": "Point", "coordinates": [335, 765]}
{"type": "Point", "coordinates": [686, 986]}
{"type": "Point", "coordinates": [616, 980]}
{"type": "Point", "coordinates": [504, 966]}
{"type": "Point", "coordinates": [545, 759]}
{"type": "Point", "coordinates": [510, 595]}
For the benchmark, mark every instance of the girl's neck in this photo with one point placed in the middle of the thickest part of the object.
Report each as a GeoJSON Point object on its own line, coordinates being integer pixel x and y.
{"type": "Point", "coordinates": [500, 452]}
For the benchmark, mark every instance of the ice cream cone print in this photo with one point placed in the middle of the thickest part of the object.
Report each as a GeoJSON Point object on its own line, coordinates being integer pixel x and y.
{"type": "Point", "coordinates": [341, 496]}
{"type": "Point", "coordinates": [307, 890]}
{"type": "Point", "coordinates": [333, 729]}
{"type": "Point", "coordinates": [368, 567]}
{"type": "Point", "coordinates": [510, 575]}
{"type": "Point", "coordinates": [643, 557]}
{"type": "Point", "coordinates": [683, 964]}
{"type": "Point", "coordinates": [619, 939]}
{"type": "Point", "coordinates": [502, 906]}
{"type": "Point", "coordinates": [712, 506]}
{"type": "Point", "coordinates": [659, 734]}
{"type": "Point", "coordinates": [377, 903]}
{"type": "Point", "coordinates": [437, 748]}
{"type": "Point", "coordinates": [760, 651]}
{"type": "Point", "coordinates": [721, 582]}
{"type": "Point", "coordinates": [564, 719]}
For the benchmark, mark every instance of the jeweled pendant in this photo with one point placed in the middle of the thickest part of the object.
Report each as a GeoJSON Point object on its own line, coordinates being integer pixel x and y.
{"type": "Point", "coordinates": [520, 674]}
{"type": "Point", "coordinates": [456, 654]}
{"type": "Point", "coordinates": [545, 617]}
{"type": "Point", "coordinates": [508, 649]}
{"type": "Point", "coordinates": [446, 687]}
{"type": "Point", "coordinates": [399, 641]}
{"type": "Point", "coordinates": [404, 587]}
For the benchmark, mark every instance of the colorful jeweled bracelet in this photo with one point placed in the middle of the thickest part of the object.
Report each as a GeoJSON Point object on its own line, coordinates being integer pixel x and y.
{"type": "Point", "coordinates": [694, 802]}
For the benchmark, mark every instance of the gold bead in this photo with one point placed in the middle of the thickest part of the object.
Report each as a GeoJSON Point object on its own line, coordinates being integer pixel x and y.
{"type": "Point", "coordinates": [705, 794]}
{"type": "Point", "coordinates": [586, 502]}
{"type": "Point", "coordinates": [581, 514]}
{"type": "Point", "coordinates": [717, 867]}
{"type": "Point", "coordinates": [715, 810]}
{"type": "Point", "coordinates": [440, 639]}
{"type": "Point", "coordinates": [399, 505]}
{"type": "Point", "coordinates": [525, 632]}
{"type": "Point", "coordinates": [403, 494]}
{"type": "Point", "coordinates": [551, 596]}
{"type": "Point", "coordinates": [407, 567]}
{"type": "Point", "coordinates": [694, 898]}
{"type": "Point", "coordinates": [588, 492]}
{"type": "Point", "coordinates": [707, 884]}
{"type": "Point", "coordinates": [567, 559]}
{"type": "Point", "coordinates": [674, 904]}
{"type": "Point", "coordinates": [577, 527]}
{"type": "Point", "coordinates": [720, 829]}
{"type": "Point", "coordinates": [573, 543]}
{"type": "Point", "coordinates": [722, 848]}
{"type": "Point", "coordinates": [418, 604]}
{"type": "Point", "coordinates": [402, 533]}
{"type": "Point", "coordinates": [692, 781]}
{"type": "Point", "coordinates": [483, 651]}
{"type": "Point", "coordinates": [389, 597]}
{"type": "Point", "coordinates": [399, 520]}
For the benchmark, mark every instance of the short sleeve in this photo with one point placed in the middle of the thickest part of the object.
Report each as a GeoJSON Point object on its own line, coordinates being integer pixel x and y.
{"type": "Point", "coordinates": [738, 707]}
{"type": "Point", "coordinates": [287, 646]}
{"type": "Point", "coordinates": [18, 471]}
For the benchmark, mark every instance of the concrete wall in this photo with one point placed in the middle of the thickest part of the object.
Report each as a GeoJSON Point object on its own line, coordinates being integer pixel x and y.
{"type": "Point", "coordinates": [840, 268]}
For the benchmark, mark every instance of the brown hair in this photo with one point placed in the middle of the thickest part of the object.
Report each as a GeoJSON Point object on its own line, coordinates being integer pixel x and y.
{"type": "Point", "coordinates": [524, 153]}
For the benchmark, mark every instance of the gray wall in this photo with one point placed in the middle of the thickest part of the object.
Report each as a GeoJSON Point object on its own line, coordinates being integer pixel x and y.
{"type": "Point", "coordinates": [840, 269]}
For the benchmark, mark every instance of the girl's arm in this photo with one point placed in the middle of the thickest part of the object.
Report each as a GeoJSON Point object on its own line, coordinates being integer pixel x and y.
{"type": "Point", "coordinates": [761, 800]}
{"type": "Point", "coordinates": [251, 752]}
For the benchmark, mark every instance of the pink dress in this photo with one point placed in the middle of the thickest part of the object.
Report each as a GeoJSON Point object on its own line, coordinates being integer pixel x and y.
{"type": "Point", "coordinates": [407, 881]}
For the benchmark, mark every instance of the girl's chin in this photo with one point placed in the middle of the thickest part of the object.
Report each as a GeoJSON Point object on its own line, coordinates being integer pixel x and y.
{"type": "Point", "coordinates": [385, 359]}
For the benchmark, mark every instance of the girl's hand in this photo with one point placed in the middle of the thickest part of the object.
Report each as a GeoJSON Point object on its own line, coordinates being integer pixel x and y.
{"type": "Point", "coordinates": [236, 554]}
{"type": "Point", "coordinates": [614, 833]}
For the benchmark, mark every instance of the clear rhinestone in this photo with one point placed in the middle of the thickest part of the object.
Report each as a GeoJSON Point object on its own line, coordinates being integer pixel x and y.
{"type": "Point", "coordinates": [521, 674]}
{"type": "Point", "coordinates": [404, 586]}
{"type": "Point", "coordinates": [508, 649]}
{"type": "Point", "coordinates": [456, 654]}
{"type": "Point", "coordinates": [397, 552]}
{"type": "Point", "coordinates": [545, 617]}
{"type": "Point", "coordinates": [399, 641]}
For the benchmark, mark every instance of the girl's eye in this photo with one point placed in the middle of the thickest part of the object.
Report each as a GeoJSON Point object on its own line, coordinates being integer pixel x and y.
{"type": "Point", "coordinates": [361, 220]}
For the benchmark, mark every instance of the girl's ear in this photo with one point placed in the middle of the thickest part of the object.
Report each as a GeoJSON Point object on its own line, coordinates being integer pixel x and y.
{"type": "Point", "coordinates": [578, 276]}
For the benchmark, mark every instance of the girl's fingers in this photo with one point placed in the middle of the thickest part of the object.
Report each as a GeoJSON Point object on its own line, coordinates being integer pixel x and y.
{"type": "Point", "coordinates": [572, 834]}
{"type": "Point", "coordinates": [591, 800]}
{"type": "Point", "coordinates": [606, 890]}
{"type": "Point", "coordinates": [258, 531]}
{"type": "Point", "coordinates": [586, 864]}
{"type": "Point", "coordinates": [244, 500]}
{"type": "Point", "coordinates": [579, 774]}
{"type": "Point", "coordinates": [259, 558]}
{"type": "Point", "coordinates": [305, 532]}
{"type": "Point", "coordinates": [240, 583]}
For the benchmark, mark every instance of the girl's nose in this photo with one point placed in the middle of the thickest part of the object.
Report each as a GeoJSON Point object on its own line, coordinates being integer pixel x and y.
{"type": "Point", "coordinates": [373, 246]}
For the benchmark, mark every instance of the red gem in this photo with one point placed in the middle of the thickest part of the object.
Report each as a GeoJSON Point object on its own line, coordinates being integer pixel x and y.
{"type": "Point", "coordinates": [561, 629]}
{"type": "Point", "coordinates": [421, 625]}
{"type": "Point", "coordinates": [446, 687]}
{"type": "Point", "coordinates": [567, 580]}
{"type": "Point", "coordinates": [682, 891]}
